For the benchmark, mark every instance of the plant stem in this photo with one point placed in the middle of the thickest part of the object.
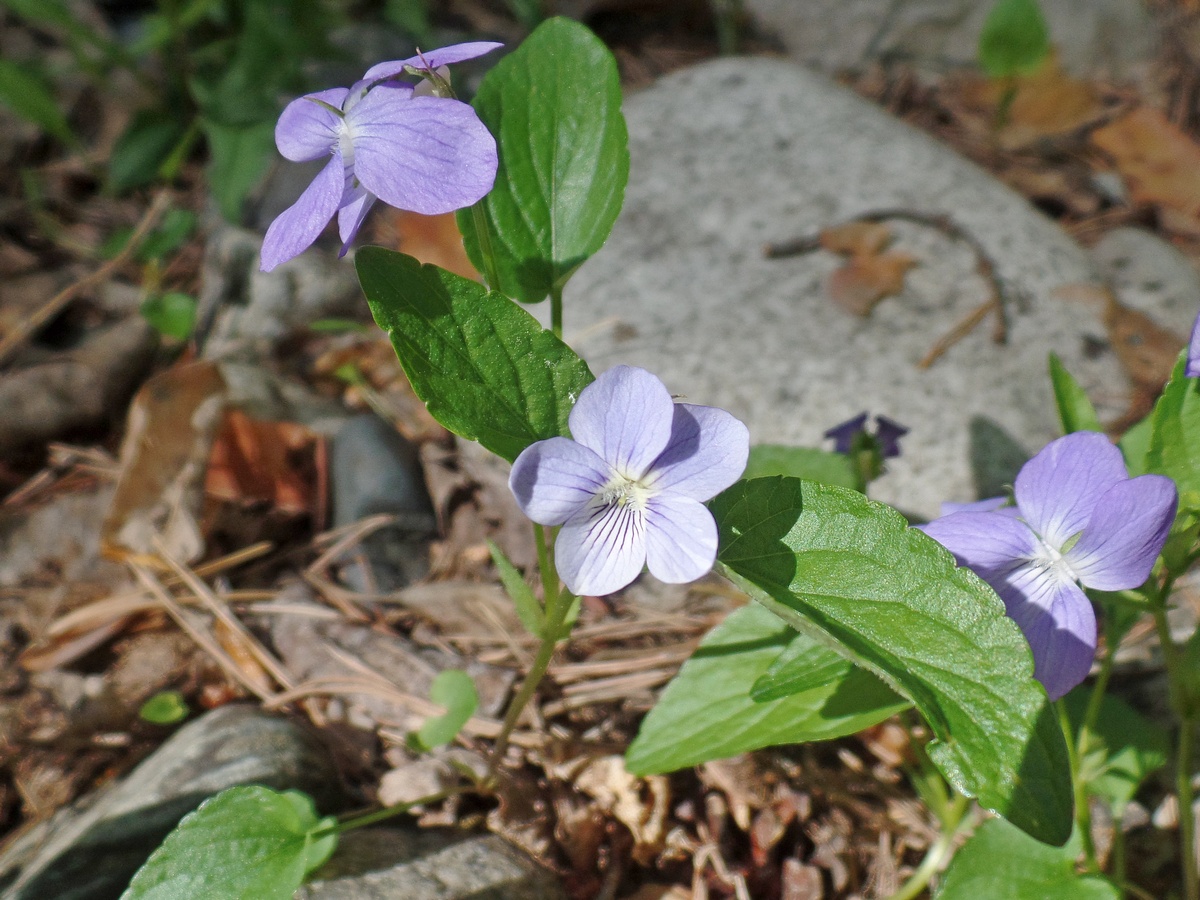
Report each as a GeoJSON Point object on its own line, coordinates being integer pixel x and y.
{"type": "Point", "coordinates": [556, 312]}
{"type": "Point", "coordinates": [491, 274]}
{"type": "Point", "coordinates": [389, 811]}
{"type": "Point", "coordinates": [558, 602]}
{"type": "Point", "coordinates": [952, 821]}
{"type": "Point", "coordinates": [1083, 813]}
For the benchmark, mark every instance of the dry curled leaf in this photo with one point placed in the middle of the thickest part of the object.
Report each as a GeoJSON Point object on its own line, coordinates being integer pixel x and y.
{"type": "Point", "coordinates": [621, 795]}
{"type": "Point", "coordinates": [1158, 160]}
{"type": "Point", "coordinates": [864, 281]}
{"type": "Point", "coordinates": [856, 238]}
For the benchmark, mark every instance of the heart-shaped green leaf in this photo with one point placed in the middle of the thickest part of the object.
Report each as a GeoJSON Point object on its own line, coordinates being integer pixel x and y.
{"type": "Point", "coordinates": [838, 565]}
{"type": "Point", "coordinates": [483, 366]}
{"type": "Point", "coordinates": [554, 106]}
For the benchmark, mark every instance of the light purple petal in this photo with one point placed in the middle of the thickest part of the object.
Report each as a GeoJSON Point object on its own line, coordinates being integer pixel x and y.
{"type": "Point", "coordinates": [681, 538]}
{"type": "Point", "coordinates": [1193, 358]}
{"type": "Point", "coordinates": [991, 504]}
{"type": "Point", "coordinates": [352, 214]}
{"type": "Point", "coordinates": [307, 130]}
{"type": "Point", "coordinates": [1057, 619]}
{"type": "Point", "coordinates": [625, 416]}
{"type": "Point", "coordinates": [601, 548]}
{"type": "Point", "coordinates": [295, 229]}
{"type": "Point", "coordinates": [990, 543]}
{"type": "Point", "coordinates": [433, 59]}
{"type": "Point", "coordinates": [556, 478]}
{"type": "Point", "coordinates": [706, 453]}
{"type": "Point", "coordinates": [1057, 490]}
{"type": "Point", "coordinates": [425, 154]}
{"type": "Point", "coordinates": [1125, 534]}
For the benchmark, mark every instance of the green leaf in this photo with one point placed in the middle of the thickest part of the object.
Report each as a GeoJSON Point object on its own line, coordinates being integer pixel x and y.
{"type": "Point", "coordinates": [483, 366]}
{"type": "Point", "coordinates": [177, 226]}
{"type": "Point", "coordinates": [144, 146]}
{"type": "Point", "coordinates": [164, 708]}
{"type": "Point", "coordinates": [240, 155]}
{"type": "Point", "coordinates": [27, 96]}
{"type": "Point", "coordinates": [172, 315]}
{"type": "Point", "coordinates": [246, 843]}
{"type": "Point", "coordinates": [453, 689]}
{"type": "Point", "coordinates": [554, 106]}
{"type": "Point", "coordinates": [706, 711]}
{"type": "Point", "coordinates": [804, 665]}
{"type": "Point", "coordinates": [1014, 39]}
{"type": "Point", "coordinates": [1075, 410]}
{"type": "Point", "coordinates": [1123, 749]}
{"type": "Point", "coordinates": [1175, 440]}
{"type": "Point", "coordinates": [1001, 863]}
{"type": "Point", "coordinates": [1135, 445]}
{"type": "Point", "coordinates": [338, 326]}
{"type": "Point", "coordinates": [529, 611]}
{"type": "Point", "coordinates": [808, 463]}
{"type": "Point", "coordinates": [827, 559]}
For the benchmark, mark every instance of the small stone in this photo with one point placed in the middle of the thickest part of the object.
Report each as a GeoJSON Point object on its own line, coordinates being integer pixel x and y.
{"type": "Point", "coordinates": [374, 470]}
{"type": "Point", "coordinates": [90, 851]}
{"type": "Point", "coordinates": [387, 863]}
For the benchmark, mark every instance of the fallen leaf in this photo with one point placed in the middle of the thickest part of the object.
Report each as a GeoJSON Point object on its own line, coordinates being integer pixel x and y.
{"type": "Point", "coordinates": [430, 239]}
{"type": "Point", "coordinates": [1160, 162]}
{"type": "Point", "coordinates": [864, 281]}
{"type": "Point", "coordinates": [171, 425]}
{"type": "Point", "coordinates": [253, 461]}
{"type": "Point", "coordinates": [618, 793]}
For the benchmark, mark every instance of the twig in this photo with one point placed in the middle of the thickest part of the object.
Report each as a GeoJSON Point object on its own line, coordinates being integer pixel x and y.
{"type": "Point", "coordinates": [984, 265]}
{"type": "Point", "coordinates": [59, 301]}
{"type": "Point", "coordinates": [203, 639]}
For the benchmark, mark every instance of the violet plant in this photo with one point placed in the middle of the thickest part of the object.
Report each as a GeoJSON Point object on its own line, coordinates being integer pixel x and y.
{"type": "Point", "coordinates": [982, 646]}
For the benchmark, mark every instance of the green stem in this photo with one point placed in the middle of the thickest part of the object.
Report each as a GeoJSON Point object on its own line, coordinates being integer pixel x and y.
{"type": "Point", "coordinates": [1083, 813]}
{"type": "Point", "coordinates": [491, 274]}
{"type": "Point", "coordinates": [556, 312]}
{"type": "Point", "coordinates": [558, 603]}
{"type": "Point", "coordinates": [389, 811]}
{"type": "Point", "coordinates": [937, 854]}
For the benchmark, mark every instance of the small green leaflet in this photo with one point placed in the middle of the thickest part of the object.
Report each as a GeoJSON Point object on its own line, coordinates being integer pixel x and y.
{"type": "Point", "coordinates": [1075, 410]}
{"type": "Point", "coordinates": [172, 315]}
{"type": "Point", "coordinates": [554, 106]}
{"type": "Point", "coordinates": [1135, 445]}
{"type": "Point", "coordinates": [837, 565]}
{"type": "Point", "coordinates": [164, 708]}
{"type": "Point", "coordinates": [1123, 750]}
{"type": "Point", "coordinates": [529, 610]}
{"type": "Point", "coordinates": [246, 843]}
{"type": "Point", "coordinates": [808, 463]}
{"type": "Point", "coordinates": [27, 96]}
{"type": "Point", "coordinates": [483, 366]}
{"type": "Point", "coordinates": [454, 690]}
{"type": "Point", "coordinates": [707, 713]}
{"type": "Point", "coordinates": [1014, 39]}
{"type": "Point", "coordinates": [1001, 863]}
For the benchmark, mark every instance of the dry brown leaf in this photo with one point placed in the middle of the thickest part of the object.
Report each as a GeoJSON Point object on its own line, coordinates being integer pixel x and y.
{"type": "Point", "coordinates": [618, 793]}
{"type": "Point", "coordinates": [856, 238]}
{"type": "Point", "coordinates": [1160, 162]}
{"type": "Point", "coordinates": [430, 239]}
{"type": "Point", "coordinates": [256, 461]}
{"type": "Point", "coordinates": [170, 430]}
{"type": "Point", "coordinates": [865, 280]}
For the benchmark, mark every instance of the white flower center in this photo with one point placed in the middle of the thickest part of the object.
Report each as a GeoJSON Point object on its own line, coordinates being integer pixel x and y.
{"type": "Point", "coordinates": [623, 491]}
{"type": "Point", "coordinates": [1052, 561]}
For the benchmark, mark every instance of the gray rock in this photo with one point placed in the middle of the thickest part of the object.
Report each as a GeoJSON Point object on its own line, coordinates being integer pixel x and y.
{"type": "Point", "coordinates": [1151, 276]}
{"type": "Point", "coordinates": [90, 851]}
{"type": "Point", "coordinates": [245, 311]}
{"type": "Point", "coordinates": [739, 152]}
{"type": "Point", "coordinates": [387, 863]}
{"type": "Point", "coordinates": [375, 470]}
{"type": "Point", "coordinates": [1116, 38]}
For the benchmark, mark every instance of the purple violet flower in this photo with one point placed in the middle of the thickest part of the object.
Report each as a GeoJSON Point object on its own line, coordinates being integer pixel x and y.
{"type": "Point", "coordinates": [629, 490]}
{"type": "Point", "coordinates": [385, 141]}
{"type": "Point", "coordinates": [887, 435]}
{"type": "Point", "coordinates": [1079, 519]}
{"type": "Point", "coordinates": [1193, 356]}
